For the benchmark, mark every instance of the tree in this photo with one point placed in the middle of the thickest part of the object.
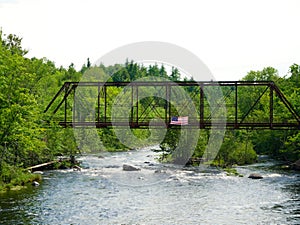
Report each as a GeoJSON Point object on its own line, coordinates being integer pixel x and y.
{"type": "Point", "coordinates": [175, 74]}
{"type": "Point", "coordinates": [20, 135]}
{"type": "Point", "coordinates": [12, 43]}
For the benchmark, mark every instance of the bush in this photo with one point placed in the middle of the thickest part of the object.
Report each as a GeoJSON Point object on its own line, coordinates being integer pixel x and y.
{"type": "Point", "coordinates": [235, 151]}
{"type": "Point", "coordinates": [14, 176]}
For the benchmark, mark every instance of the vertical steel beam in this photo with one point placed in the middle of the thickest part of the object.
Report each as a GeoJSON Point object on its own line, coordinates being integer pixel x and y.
{"type": "Point", "coordinates": [105, 102]}
{"type": "Point", "coordinates": [67, 85]}
{"type": "Point", "coordinates": [167, 104]}
{"type": "Point", "coordinates": [236, 106]}
{"type": "Point", "coordinates": [137, 105]}
{"type": "Point", "coordinates": [132, 111]}
{"type": "Point", "coordinates": [271, 105]}
{"type": "Point", "coordinates": [98, 111]}
{"type": "Point", "coordinates": [74, 106]}
{"type": "Point", "coordinates": [201, 107]}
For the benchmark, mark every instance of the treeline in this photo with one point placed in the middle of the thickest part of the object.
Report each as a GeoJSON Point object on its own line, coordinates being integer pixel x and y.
{"type": "Point", "coordinates": [281, 144]}
{"type": "Point", "coordinates": [29, 137]}
{"type": "Point", "coordinates": [241, 147]}
{"type": "Point", "coordinates": [26, 87]}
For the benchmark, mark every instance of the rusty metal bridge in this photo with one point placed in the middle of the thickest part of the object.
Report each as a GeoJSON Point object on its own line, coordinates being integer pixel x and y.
{"type": "Point", "coordinates": [249, 104]}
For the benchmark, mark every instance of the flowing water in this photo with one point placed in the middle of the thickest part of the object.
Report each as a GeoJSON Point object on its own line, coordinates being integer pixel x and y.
{"type": "Point", "coordinates": [102, 193]}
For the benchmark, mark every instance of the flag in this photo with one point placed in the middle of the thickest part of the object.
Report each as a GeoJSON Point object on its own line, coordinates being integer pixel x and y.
{"type": "Point", "coordinates": [180, 120]}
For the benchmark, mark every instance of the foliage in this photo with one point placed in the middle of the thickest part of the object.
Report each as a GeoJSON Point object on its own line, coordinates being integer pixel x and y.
{"type": "Point", "coordinates": [242, 147]}
{"type": "Point", "coordinates": [26, 86]}
{"type": "Point", "coordinates": [282, 144]}
{"type": "Point", "coordinates": [232, 172]}
{"type": "Point", "coordinates": [15, 176]}
{"type": "Point", "coordinates": [236, 149]}
{"type": "Point", "coordinates": [28, 136]}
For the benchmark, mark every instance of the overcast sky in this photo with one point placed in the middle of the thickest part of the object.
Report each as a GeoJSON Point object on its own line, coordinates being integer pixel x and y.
{"type": "Point", "coordinates": [232, 37]}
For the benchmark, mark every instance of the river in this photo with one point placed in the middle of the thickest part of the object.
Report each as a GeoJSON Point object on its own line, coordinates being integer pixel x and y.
{"type": "Point", "coordinates": [102, 193]}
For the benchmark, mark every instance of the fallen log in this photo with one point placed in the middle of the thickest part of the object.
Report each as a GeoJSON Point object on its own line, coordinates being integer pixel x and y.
{"type": "Point", "coordinates": [40, 166]}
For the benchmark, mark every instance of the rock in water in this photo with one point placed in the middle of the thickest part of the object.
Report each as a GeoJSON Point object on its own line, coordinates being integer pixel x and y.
{"type": "Point", "coordinates": [38, 172]}
{"type": "Point", "coordinates": [127, 167]}
{"type": "Point", "coordinates": [35, 183]}
{"type": "Point", "coordinates": [76, 168]}
{"type": "Point", "coordinates": [255, 176]}
{"type": "Point", "coordinates": [296, 165]}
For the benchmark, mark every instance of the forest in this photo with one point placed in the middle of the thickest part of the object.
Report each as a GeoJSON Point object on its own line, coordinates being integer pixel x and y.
{"type": "Point", "coordinates": [28, 136]}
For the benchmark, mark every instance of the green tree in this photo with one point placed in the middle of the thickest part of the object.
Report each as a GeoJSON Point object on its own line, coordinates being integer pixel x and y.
{"type": "Point", "coordinates": [20, 134]}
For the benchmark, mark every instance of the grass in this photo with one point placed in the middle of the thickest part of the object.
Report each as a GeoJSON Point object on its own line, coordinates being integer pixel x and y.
{"type": "Point", "coordinates": [14, 178]}
{"type": "Point", "coordinates": [232, 172]}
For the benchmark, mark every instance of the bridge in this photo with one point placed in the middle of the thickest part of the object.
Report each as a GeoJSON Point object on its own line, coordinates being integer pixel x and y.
{"type": "Point", "coordinates": [248, 104]}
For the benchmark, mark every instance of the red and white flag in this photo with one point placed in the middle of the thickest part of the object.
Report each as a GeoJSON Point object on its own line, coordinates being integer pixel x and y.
{"type": "Point", "coordinates": [180, 120]}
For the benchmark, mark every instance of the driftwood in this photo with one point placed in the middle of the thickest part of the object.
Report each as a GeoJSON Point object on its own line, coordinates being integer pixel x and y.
{"type": "Point", "coordinates": [42, 165]}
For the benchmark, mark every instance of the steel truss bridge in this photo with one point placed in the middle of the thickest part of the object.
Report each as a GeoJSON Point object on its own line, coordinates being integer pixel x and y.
{"type": "Point", "coordinates": [248, 104]}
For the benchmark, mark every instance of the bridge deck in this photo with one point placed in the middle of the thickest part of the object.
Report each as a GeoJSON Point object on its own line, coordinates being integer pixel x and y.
{"type": "Point", "coordinates": [142, 125]}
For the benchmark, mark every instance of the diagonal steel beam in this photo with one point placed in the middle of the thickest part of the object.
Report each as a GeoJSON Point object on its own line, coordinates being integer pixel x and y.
{"type": "Point", "coordinates": [252, 107]}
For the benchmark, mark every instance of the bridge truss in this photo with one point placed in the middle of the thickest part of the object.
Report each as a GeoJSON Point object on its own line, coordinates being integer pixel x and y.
{"type": "Point", "coordinates": [249, 104]}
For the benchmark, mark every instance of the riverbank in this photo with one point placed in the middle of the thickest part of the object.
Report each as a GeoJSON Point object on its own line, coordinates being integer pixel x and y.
{"type": "Point", "coordinates": [15, 178]}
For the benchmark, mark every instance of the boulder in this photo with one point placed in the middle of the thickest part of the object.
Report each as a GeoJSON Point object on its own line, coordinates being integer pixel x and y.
{"type": "Point", "coordinates": [296, 165]}
{"type": "Point", "coordinates": [127, 167]}
{"type": "Point", "coordinates": [255, 176]}
{"type": "Point", "coordinates": [35, 183]}
{"type": "Point", "coordinates": [160, 171]}
{"type": "Point", "coordinates": [38, 172]}
{"type": "Point", "coordinates": [112, 166]}
{"type": "Point", "coordinates": [76, 168]}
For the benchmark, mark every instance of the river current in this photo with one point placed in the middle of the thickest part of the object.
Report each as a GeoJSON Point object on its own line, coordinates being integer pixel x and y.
{"type": "Point", "coordinates": [102, 193]}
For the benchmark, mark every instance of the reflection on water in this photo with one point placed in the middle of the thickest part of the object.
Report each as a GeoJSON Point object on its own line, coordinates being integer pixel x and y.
{"type": "Point", "coordinates": [103, 193]}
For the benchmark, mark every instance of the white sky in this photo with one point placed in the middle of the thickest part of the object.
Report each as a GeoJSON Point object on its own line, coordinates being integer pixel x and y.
{"type": "Point", "coordinates": [232, 37]}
